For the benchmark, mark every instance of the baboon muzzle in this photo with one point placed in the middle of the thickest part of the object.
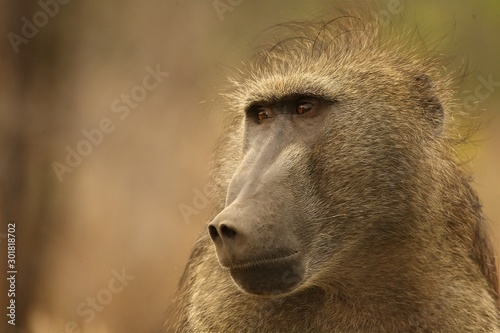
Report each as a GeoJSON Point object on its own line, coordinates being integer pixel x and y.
{"type": "Point", "coordinates": [253, 236]}
{"type": "Point", "coordinates": [252, 253]}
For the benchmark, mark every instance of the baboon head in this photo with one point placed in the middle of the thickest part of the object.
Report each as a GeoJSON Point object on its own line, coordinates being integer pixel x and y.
{"type": "Point", "coordinates": [326, 160]}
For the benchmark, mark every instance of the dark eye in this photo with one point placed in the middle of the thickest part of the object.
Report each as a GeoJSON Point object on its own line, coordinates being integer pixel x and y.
{"type": "Point", "coordinates": [263, 114]}
{"type": "Point", "coordinates": [304, 107]}
{"type": "Point", "coordinates": [307, 108]}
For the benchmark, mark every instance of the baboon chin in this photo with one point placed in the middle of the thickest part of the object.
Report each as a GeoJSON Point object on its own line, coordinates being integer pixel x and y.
{"type": "Point", "coordinates": [338, 203]}
{"type": "Point", "coordinates": [269, 277]}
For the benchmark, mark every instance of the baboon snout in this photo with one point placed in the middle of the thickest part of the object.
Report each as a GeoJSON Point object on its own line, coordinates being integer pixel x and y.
{"type": "Point", "coordinates": [231, 238]}
{"type": "Point", "coordinates": [242, 234]}
{"type": "Point", "coordinates": [260, 257]}
{"type": "Point", "coordinates": [254, 235]}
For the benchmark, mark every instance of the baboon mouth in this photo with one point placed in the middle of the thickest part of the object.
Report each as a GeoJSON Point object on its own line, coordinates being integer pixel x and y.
{"type": "Point", "coordinates": [261, 261]}
{"type": "Point", "coordinates": [268, 276]}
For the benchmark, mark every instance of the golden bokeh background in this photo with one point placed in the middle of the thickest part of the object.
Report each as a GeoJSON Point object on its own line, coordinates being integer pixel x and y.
{"type": "Point", "coordinates": [117, 210]}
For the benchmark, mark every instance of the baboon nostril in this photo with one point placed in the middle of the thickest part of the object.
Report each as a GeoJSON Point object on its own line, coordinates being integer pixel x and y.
{"type": "Point", "coordinates": [213, 232]}
{"type": "Point", "coordinates": [227, 232]}
{"type": "Point", "coordinates": [217, 233]}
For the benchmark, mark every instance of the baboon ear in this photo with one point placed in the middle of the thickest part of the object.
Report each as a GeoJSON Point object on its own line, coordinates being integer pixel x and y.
{"type": "Point", "coordinates": [433, 110]}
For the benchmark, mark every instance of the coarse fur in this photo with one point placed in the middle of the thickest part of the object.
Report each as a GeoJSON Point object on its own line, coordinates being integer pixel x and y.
{"type": "Point", "coordinates": [383, 227]}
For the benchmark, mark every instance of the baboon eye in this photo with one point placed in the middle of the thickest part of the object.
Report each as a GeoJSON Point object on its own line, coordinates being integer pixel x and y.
{"type": "Point", "coordinates": [263, 114]}
{"type": "Point", "coordinates": [305, 107]}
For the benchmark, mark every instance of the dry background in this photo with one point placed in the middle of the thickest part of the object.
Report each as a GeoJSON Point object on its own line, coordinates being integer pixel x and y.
{"type": "Point", "coordinates": [120, 207]}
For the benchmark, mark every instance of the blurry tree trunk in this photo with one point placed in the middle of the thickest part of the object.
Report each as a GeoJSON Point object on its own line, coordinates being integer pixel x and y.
{"type": "Point", "coordinates": [30, 122]}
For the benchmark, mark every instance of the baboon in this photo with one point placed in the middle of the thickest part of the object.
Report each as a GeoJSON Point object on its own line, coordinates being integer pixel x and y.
{"type": "Point", "coordinates": [339, 202]}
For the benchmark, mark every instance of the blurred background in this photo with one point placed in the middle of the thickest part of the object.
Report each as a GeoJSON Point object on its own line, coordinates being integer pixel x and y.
{"type": "Point", "coordinates": [108, 116]}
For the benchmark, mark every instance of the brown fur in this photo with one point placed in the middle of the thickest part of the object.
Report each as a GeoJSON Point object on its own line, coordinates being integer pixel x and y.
{"type": "Point", "coordinates": [391, 234]}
